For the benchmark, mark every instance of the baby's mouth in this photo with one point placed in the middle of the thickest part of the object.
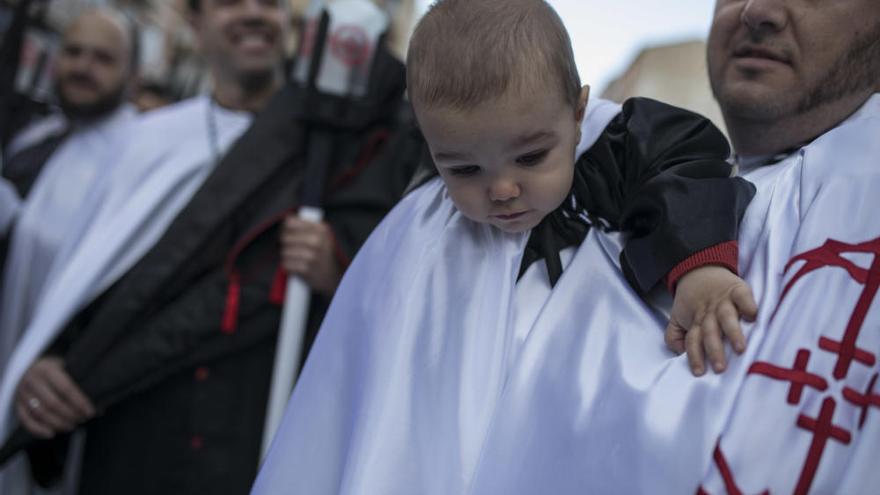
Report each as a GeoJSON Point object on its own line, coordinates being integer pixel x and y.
{"type": "Point", "coordinates": [510, 216]}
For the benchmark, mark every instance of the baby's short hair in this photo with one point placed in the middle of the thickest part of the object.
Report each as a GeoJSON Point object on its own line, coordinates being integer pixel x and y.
{"type": "Point", "coordinates": [464, 52]}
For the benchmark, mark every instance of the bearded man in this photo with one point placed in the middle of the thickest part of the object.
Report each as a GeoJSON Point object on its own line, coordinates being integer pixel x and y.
{"type": "Point", "coordinates": [60, 165]}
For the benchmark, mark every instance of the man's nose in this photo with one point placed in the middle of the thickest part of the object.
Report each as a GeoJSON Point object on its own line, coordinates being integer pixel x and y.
{"type": "Point", "coordinates": [763, 16]}
{"type": "Point", "coordinates": [254, 7]}
{"type": "Point", "coordinates": [81, 62]}
{"type": "Point", "coordinates": [504, 189]}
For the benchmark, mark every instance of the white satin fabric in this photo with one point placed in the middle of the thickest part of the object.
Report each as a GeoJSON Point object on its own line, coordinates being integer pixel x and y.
{"type": "Point", "coordinates": [55, 215]}
{"type": "Point", "coordinates": [427, 379]}
{"type": "Point", "coordinates": [169, 158]}
{"type": "Point", "coordinates": [827, 193]}
{"type": "Point", "coordinates": [419, 381]}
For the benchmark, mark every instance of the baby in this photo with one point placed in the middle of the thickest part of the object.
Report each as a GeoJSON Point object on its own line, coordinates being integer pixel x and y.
{"type": "Point", "coordinates": [502, 121]}
{"type": "Point", "coordinates": [444, 303]}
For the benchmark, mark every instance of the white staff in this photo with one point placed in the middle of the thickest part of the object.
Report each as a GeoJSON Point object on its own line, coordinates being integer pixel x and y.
{"type": "Point", "coordinates": [337, 49]}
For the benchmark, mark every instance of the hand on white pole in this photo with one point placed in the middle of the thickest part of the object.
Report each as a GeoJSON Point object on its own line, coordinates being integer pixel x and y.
{"type": "Point", "coordinates": [308, 251]}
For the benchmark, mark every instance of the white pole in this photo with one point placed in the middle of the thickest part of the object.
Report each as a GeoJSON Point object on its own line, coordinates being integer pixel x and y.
{"type": "Point", "coordinates": [336, 76]}
{"type": "Point", "coordinates": [290, 342]}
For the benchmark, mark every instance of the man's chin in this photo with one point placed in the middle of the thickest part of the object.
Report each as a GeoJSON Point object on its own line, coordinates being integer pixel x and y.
{"type": "Point", "coordinates": [258, 62]}
{"type": "Point", "coordinates": [256, 78]}
{"type": "Point", "coordinates": [89, 110]}
{"type": "Point", "coordinates": [754, 101]}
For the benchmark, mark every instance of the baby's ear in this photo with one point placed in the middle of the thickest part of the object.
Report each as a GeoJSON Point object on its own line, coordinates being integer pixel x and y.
{"type": "Point", "coordinates": [583, 98]}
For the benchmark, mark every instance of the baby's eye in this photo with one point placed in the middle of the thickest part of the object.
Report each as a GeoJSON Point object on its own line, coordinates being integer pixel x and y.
{"type": "Point", "coordinates": [464, 170]}
{"type": "Point", "coordinates": [533, 158]}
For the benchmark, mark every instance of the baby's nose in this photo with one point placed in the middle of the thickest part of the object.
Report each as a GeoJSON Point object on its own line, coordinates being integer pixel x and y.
{"type": "Point", "coordinates": [503, 190]}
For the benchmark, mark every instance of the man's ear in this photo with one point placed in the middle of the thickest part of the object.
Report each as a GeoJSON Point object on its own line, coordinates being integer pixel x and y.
{"type": "Point", "coordinates": [583, 98]}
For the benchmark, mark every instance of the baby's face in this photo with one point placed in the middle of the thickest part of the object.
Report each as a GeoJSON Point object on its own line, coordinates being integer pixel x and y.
{"type": "Point", "coordinates": [508, 162]}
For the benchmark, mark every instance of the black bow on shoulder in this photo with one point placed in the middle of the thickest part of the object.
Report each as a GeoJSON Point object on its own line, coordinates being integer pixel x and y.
{"type": "Point", "coordinates": [566, 226]}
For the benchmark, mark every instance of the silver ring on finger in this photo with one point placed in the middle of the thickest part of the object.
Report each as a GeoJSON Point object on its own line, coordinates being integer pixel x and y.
{"type": "Point", "coordinates": [34, 403]}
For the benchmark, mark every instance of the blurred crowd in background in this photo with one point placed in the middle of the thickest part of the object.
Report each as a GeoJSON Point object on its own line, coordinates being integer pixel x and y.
{"type": "Point", "coordinates": [170, 67]}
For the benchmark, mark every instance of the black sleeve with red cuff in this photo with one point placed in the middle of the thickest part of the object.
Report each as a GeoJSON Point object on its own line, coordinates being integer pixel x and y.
{"type": "Point", "coordinates": [659, 174]}
{"type": "Point", "coordinates": [725, 255]}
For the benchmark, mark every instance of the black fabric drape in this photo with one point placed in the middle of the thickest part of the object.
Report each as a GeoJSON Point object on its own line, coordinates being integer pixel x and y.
{"type": "Point", "coordinates": [23, 168]}
{"type": "Point", "coordinates": [659, 174]}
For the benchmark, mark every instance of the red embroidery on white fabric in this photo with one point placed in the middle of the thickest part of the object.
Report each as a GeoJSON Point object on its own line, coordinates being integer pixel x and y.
{"type": "Point", "coordinates": [863, 401]}
{"type": "Point", "coordinates": [797, 375]}
{"type": "Point", "coordinates": [822, 427]}
{"type": "Point", "coordinates": [726, 474]}
{"type": "Point", "coordinates": [830, 254]}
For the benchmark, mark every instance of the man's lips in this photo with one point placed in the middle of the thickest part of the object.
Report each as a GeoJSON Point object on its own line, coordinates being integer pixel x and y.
{"type": "Point", "coordinates": [253, 39]}
{"type": "Point", "coordinates": [72, 83]}
{"type": "Point", "coordinates": [757, 52]}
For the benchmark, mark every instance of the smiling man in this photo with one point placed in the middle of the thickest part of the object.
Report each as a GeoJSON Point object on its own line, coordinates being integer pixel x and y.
{"type": "Point", "coordinates": [241, 43]}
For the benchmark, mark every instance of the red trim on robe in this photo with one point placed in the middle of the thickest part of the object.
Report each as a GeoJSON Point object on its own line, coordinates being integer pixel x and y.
{"type": "Point", "coordinates": [279, 287]}
{"type": "Point", "coordinates": [279, 283]}
{"type": "Point", "coordinates": [725, 254]}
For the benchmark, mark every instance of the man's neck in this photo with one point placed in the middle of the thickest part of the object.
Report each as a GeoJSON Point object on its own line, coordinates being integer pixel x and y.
{"type": "Point", "coordinates": [753, 137]}
{"type": "Point", "coordinates": [80, 120]}
{"type": "Point", "coordinates": [236, 97]}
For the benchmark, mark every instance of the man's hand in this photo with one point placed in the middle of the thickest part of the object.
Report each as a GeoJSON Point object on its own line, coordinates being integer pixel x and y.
{"type": "Point", "coordinates": [307, 251]}
{"type": "Point", "coordinates": [47, 400]}
{"type": "Point", "coordinates": [709, 302]}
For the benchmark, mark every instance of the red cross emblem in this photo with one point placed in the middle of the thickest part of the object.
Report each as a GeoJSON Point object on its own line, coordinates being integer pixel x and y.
{"type": "Point", "coordinates": [797, 375]}
{"type": "Point", "coordinates": [831, 254]}
{"type": "Point", "coordinates": [351, 45]}
{"type": "Point", "coordinates": [863, 401]}
{"type": "Point", "coordinates": [822, 427]}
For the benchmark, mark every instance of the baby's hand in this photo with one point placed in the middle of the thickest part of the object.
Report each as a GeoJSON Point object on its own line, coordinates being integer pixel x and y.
{"type": "Point", "coordinates": [709, 302]}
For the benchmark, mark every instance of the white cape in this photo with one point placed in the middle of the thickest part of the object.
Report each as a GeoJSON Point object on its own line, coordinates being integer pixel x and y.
{"type": "Point", "coordinates": [416, 383]}
{"type": "Point", "coordinates": [55, 215]}
{"type": "Point", "coordinates": [157, 175]}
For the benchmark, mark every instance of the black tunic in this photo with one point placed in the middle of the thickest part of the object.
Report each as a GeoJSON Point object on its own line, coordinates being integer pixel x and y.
{"type": "Point", "coordinates": [195, 423]}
